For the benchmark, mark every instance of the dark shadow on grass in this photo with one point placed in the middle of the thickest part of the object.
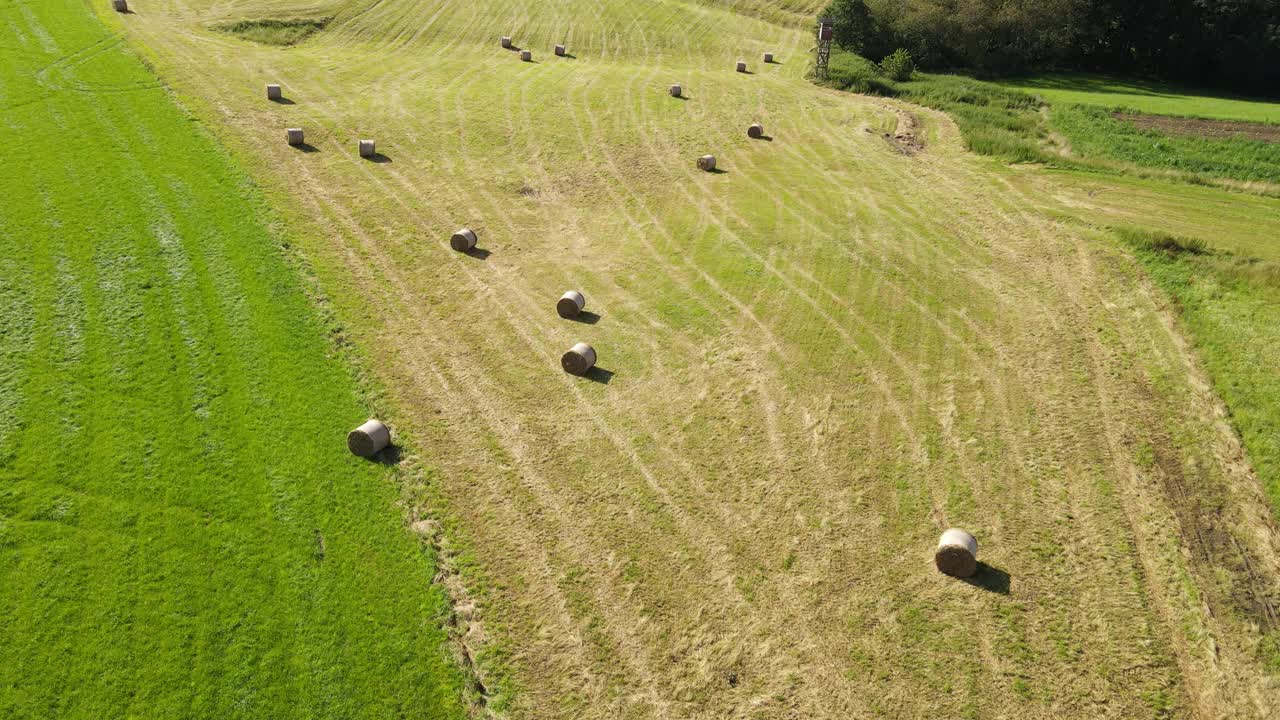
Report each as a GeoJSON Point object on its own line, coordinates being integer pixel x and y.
{"type": "Point", "coordinates": [569, 56]}
{"type": "Point", "coordinates": [283, 101]}
{"type": "Point", "coordinates": [1114, 85]}
{"type": "Point", "coordinates": [478, 253]}
{"type": "Point", "coordinates": [766, 138]}
{"type": "Point", "coordinates": [718, 171]}
{"type": "Point", "coordinates": [389, 456]}
{"type": "Point", "coordinates": [599, 375]}
{"type": "Point", "coordinates": [586, 317]}
{"type": "Point", "coordinates": [680, 97]}
{"type": "Point", "coordinates": [515, 48]}
{"type": "Point", "coordinates": [378, 158]}
{"type": "Point", "coordinates": [745, 72]}
{"type": "Point", "coordinates": [307, 148]}
{"type": "Point", "coordinates": [990, 578]}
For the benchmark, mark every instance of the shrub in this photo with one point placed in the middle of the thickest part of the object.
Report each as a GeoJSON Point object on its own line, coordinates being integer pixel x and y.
{"type": "Point", "coordinates": [899, 66]}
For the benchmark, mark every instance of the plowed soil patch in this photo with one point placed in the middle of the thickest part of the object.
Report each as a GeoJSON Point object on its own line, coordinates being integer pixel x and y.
{"type": "Point", "coordinates": [1203, 128]}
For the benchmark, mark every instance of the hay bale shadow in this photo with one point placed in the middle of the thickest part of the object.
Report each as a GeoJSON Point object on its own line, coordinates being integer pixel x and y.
{"type": "Point", "coordinates": [599, 375]}
{"type": "Point", "coordinates": [283, 101]}
{"type": "Point", "coordinates": [990, 578]}
{"type": "Point", "coordinates": [718, 171]}
{"type": "Point", "coordinates": [586, 317]}
{"type": "Point", "coordinates": [378, 158]}
{"type": "Point", "coordinates": [745, 72]}
{"type": "Point", "coordinates": [681, 96]}
{"type": "Point", "coordinates": [478, 253]}
{"type": "Point", "coordinates": [390, 455]}
{"type": "Point", "coordinates": [766, 138]}
{"type": "Point", "coordinates": [307, 148]}
{"type": "Point", "coordinates": [515, 48]}
{"type": "Point", "coordinates": [569, 55]}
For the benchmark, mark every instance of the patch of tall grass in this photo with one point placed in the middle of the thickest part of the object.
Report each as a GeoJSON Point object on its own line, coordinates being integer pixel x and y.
{"type": "Point", "coordinates": [993, 120]}
{"type": "Point", "coordinates": [281, 33]}
{"type": "Point", "coordinates": [1094, 133]}
{"type": "Point", "coordinates": [1231, 305]}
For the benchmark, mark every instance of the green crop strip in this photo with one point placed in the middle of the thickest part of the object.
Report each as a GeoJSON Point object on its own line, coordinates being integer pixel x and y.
{"type": "Point", "coordinates": [182, 533]}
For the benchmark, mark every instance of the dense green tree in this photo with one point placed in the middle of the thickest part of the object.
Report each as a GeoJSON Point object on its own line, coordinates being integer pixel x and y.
{"type": "Point", "coordinates": [1232, 43]}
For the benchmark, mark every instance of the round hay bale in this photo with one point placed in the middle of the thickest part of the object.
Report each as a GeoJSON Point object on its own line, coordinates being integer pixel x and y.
{"type": "Point", "coordinates": [675, 91]}
{"type": "Point", "coordinates": [768, 58]}
{"type": "Point", "coordinates": [120, 6]}
{"type": "Point", "coordinates": [369, 439]}
{"type": "Point", "coordinates": [367, 149]}
{"type": "Point", "coordinates": [294, 136]}
{"type": "Point", "coordinates": [707, 163]}
{"type": "Point", "coordinates": [579, 360]}
{"type": "Point", "coordinates": [526, 55]}
{"type": "Point", "coordinates": [957, 554]}
{"type": "Point", "coordinates": [506, 41]}
{"type": "Point", "coordinates": [560, 51]}
{"type": "Point", "coordinates": [463, 240]}
{"type": "Point", "coordinates": [755, 131]}
{"type": "Point", "coordinates": [571, 304]}
{"type": "Point", "coordinates": [274, 92]}
{"type": "Point", "coordinates": [742, 66]}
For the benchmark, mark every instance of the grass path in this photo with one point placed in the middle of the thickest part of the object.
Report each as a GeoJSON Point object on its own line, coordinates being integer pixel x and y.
{"type": "Point", "coordinates": [816, 361]}
{"type": "Point", "coordinates": [182, 533]}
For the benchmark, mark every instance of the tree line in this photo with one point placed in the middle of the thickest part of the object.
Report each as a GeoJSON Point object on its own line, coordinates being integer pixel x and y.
{"type": "Point", "coordinates": [1219, 43]}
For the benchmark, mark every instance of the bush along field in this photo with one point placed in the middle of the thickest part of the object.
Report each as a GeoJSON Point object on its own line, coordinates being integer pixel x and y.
{"type": "Point", "coordinates": [1006, 122]}
{"type": "Point", "coordinates": [182, 531]}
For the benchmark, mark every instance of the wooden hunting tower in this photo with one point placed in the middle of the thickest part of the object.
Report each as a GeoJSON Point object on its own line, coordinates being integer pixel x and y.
{"type": "Point", "coordinates": [826, 32]}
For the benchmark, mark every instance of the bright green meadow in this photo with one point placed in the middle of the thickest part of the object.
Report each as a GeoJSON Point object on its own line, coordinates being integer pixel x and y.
{"type": "Point", "coordinates": [182, 532]}
{"type": "Point", "coordinates": [1151, 97]}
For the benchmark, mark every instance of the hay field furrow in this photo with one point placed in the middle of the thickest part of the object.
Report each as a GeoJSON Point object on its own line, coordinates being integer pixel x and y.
{"type": "Point", "coordinates": [816, 361]}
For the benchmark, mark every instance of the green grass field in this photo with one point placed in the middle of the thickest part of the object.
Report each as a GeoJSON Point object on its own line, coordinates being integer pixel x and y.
{"type": "Point", "coordinates": [1007, 121]}
{"type": "Point", "coordinates": [1148, 97]}
{"type": "Point", "coordinates": [1093, 133]}
{"type": "Point", "coordinates": [1232, 307]}
{"type": "Point", "coordinates": [853, 336]}
{"type": "Point", "coordinates": [182, 532]}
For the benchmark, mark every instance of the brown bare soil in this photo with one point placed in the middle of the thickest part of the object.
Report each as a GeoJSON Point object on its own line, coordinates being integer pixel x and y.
{"type": "Point", "coordinates": [1203, 128]}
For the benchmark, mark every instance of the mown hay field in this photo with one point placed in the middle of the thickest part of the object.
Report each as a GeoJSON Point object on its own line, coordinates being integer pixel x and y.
{"type": "Point", "coordinates": [810, 363]}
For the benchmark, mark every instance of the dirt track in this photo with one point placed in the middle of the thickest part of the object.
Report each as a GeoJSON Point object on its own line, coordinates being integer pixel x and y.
{"type": "Point", "coordinates": [814, 362]}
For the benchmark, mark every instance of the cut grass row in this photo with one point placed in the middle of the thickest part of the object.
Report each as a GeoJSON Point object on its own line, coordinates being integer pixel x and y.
{"type": "Point", "coordinates": [182, 533]}
{"type": "Point", "coordinates": [1227, 301]}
